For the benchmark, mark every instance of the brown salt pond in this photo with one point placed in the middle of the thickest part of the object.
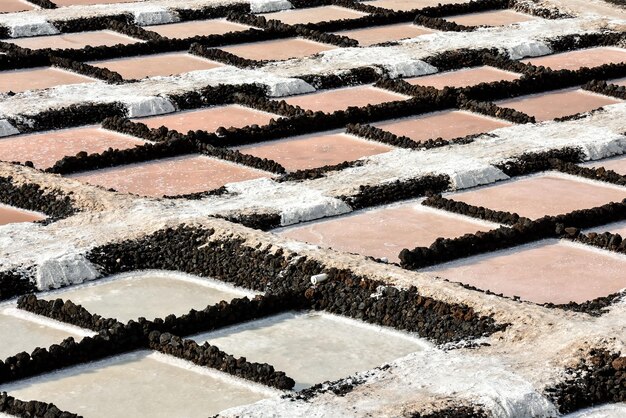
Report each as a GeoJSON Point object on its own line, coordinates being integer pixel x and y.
{"type": "Point", "coordinates": [340, 99]}
{"type": "Point", "coordinates": [156, 65]}
{"type": "Point", "coordinates": [448, 124]}
{"type": "Point", "coordinates": [617, 164]}
{"type": "Point", "coordinates": [314, 15]}
{"type": "Point", "coordinates": [557, 104]}
{"type": "Point", "coordinates": [46, 148]}
{"type": "Point", "coordinates": [280, 49]}
{"type": "Point", "coordinates": [490, 18]}
{"type": "Point", "coordinates": [77, 40]}
{"type": "Point", "coordinates": [313, 347]}
{"type": "Point", "coordinates": [404, 5]}
{"type": "Point", "coordinates": [9, 6]}
{"type": "Point", "coordinates": [197, 28]}
{"type": "Point", "coordinates": [10, 214]}
{"type": "Point", "coordinates": [22, 331]}
{"type": "Point", "coordinates": [149, 294]}
{"type": "Point", "coordinates": [38, 78]}
{"type": "Point", "coordinates": [384, 232]}
{"type": "Point", "coordinates": [210, 118]}
{"type": "Point", "coordinates": [316, 150]}
{"type": "Point", "coordinates": [573, 60]}
{"type": "Point", "coordinates": [138, 384]}
{"type": "Point", "coordinates": [171, 176]}
{"type": "Point", "coordinates": [549, 271]}
{"type": "Point", "coordinates": [386, 33]}
{"type": "Point", "coordinates": [544, 194]}
{"type": "Point", "coordinates": [465, 77]}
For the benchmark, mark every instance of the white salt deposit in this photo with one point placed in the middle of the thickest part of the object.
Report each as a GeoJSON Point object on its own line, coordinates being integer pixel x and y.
{"type": "Point", "coordinates": [266, 6]}
{"type": "Point", "coordinates": [6, 129]}
{"type": "Point", "coordinates": [63, 270]}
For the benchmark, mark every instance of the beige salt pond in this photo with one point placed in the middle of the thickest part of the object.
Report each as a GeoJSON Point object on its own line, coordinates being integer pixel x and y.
{"type": "Point", "coordinates": [10, 6]}
{"type": "Point", "coordinates": [156, 65]}
{"type": "Point", "coordinates": [38, 78]}
{"type": "Point", "coordinates": [490, 18]}
{"type": "Point", "coordinates": [314, 15]}
{"type": "Point", "coordinates": [465, 77]}
{"type": "Point", "coordinates": [210, 118]}
{"type": "Point", "coordinates": [384, 232]}
{"type": "Point", "coordinates": [139, 384]}
{"type": "Point", "coordinates": [574, 60]}
{"type": "Point", "coordinates": [448, 124]}
{"type": "Point", "coordinates": [46, 148]}
{"type": "Point", "coordinates": [617, 164]}
{"type": "Point", "coordinates": [76, 40]}
{"type": "Point", "coordinates": [197, 28]}
{"type": "Point", "coordinates": [405, 5]}
{"type": "Point", "coordinates": [557, 104]}
{"type": "Point", "coordinates": [315, 150]}
{"type": "Point", "coordinates": [280, 49]}
{"type": "Point", "coordinates": [314, 347]}
{"type": "Point", "coordinates": [544, 194]}
{"type": "Point", "coordinates": [148, 294]}
{"type": "Point", "coordinates": [549, 271]}
{"type": "Point", "coordinates": [332, 100]}
{"type": "Point", "coordinates": [171, 176]}
{"type": "Point", "coordinates": [10, 214]}
{"type": "Point", "coordinates": [387, 33]}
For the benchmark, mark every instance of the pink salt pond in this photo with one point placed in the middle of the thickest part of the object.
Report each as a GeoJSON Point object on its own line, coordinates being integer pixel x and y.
{"type": "Point", "coordinates": [210, 118]}
{"type": "Point", "coordinates": [540, 195]}
{"type": "Point", "coordinates": [90, 2]}
{"type": "Point", "coordinates": [76, 40]}
{"type": "Point", "coordinates": [280, 49]}
{"type": "Point", "coordinates": [616, 164]}
{"type": "Point", "coordinates": [405, 5]}
{"type": "Point", "coordinates": [197, 28]}
{"type": "Point", "coordinates": [318, 150]}
{"type": "Point", "coordinates": [465, 77]}
{"type": "Point", "coordinates": [573, 60]}
{"type": "Point", "coordinates": [490, 18]}
{"type": "Point", "coordinates": [340, 99]}
{"type": "Point", "coordinates": [314, 15]}
{"type": "Point", "coordinates": [10, 214]}
{"type": "Point", "coordinates": [171, 176]}
{"type": "Point", "coordinates": [557, 104]}
{"type": "Point", "coordinates": [387, 33]}
{"type": "Point", "coordinates": [10, 6]}
{"type": "Point", "coordinates": [46, 148]}
{"type": "Point", "coordinates": [550, 271]}
{"type": "Point", "coordinates": [38, 78]}
{"type": "Point", "coordinates": [448, 124]}
{"type": "Point", "coordinates": [384, 232]}
{"type": "Point", "coordinates": [156, 65]}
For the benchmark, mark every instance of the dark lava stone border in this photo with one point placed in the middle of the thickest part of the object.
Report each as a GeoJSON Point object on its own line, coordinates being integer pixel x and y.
{"type": "Point", "coordinates": [30, 196]}
{"type": "Point", "coordinates": [13, 283]}
{"type": "Point", "coordinates": [27, 409]}
{"type": "Point", "coordinates": [602, 87]}
{"type": "Point", "coordinates": [599, 378]}
{"type": "Point", "coordinates": [478, 212]}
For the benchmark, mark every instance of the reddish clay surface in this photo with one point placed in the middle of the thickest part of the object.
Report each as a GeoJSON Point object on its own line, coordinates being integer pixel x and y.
{"type": "Point", "coordinates": [210, 118]}
{"type": "Point", "coordinates": [465, 77]}
{"type": "Point", "coordinates": [384, 232]}
{"type": "Point", "coordinates": [616, 164]}
{"type": "Point", "coordinates": [573, 60]}
{"type": "Point", "coordinates": [448, 124]}
{"type": "Point", "coordinates": [536, 196]}
{"type": "Point", "coordinates": [556, 104]}
{"type": "Point", "coordinates": [9, 215]}
{"type": "Point", "coordinates": [38, 78]}
{"type": "Point", "coordinates": [314, 15]}
{"type": "Point", "coordinates": [171, 176]}
{"type": "Point", "coordinates": [77, 40]}
{"type": "Point", "coordinates": [197, 28]}
{"type": "Point", "coordinates": [8, 6]}
{"type": "Point", "coordinates": [311, 151]}
{"type": "Point", "coordinates": [45, 149]}
{"type": "Point", "coordinates": [410, 4]}
{"type": "Point", "coordinates": [89, 2]}
{"type": "Point", "coordinates": [156, 65]}
{"type": "Point", "coordinates": [340, 99]}
{"type": "Point", "coordinates": [550, 271]}
{"type": "Point", "coordinates": [387, 33]}
{"type": "Point", "coordinates": [490, 18]}
{"type": "Point", "coordinates": [280, 49]}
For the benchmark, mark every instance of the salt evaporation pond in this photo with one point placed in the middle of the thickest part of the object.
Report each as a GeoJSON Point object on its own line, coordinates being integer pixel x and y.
{"type": "Point", "coordinates": [10, 214]}
{"type": "Point", "coordinates": [313, 347]}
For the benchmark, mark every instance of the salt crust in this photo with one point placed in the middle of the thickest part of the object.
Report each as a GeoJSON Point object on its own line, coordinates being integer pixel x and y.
{"type": "Point", "coordinates": [603, 411]}
{"type": "Point", "coordinates": [266, 6]}
{"type": "Point", "coordinates": [6, 129]}
{"type": "Point", "coordinates": [48, 322]}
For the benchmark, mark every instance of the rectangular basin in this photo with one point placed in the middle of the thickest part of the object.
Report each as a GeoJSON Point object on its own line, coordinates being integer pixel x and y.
{"type": "Point", "coordinates": [313, 15]}
{"type": "Point", "coordinates": [387, 33]}
{"type": "Point", "coordinates": [279, 49]}
{"type": "Point", "coordinates": [574, 60]}
{"type": "Point", "coordinates": [156, 65]}
{"type": "Point", "coordinates": [10, 214]}
{"type": "Point", "coordinates": [615, 228]}
{"type": "Point", "coordinates": [197, 28]}
{"type": "Point", "coordinates": [10, 6]}
{"type": "Point", "coordinates": [38, 78]}
{"type": "Point", "coordinates": [617, 164]}
{"type": "Point", "coordinates": [490, 18]}
{"type": "Point", "coordinates": [405, 5]}
{"type": "Point", "coordinates": [329, 101]}
{"type": "Point", "coordinates": [77, 40]}
{"type": "Point", "coordinates": [465, 77]}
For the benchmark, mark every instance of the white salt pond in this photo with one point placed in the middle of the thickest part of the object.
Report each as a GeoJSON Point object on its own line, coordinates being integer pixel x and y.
{"type": "Point", "coordinates": [139, 384]}
{"type": "Point", "coordinates": [314, 347]}
{"type": "Point", "coordinates": [149, 294]}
